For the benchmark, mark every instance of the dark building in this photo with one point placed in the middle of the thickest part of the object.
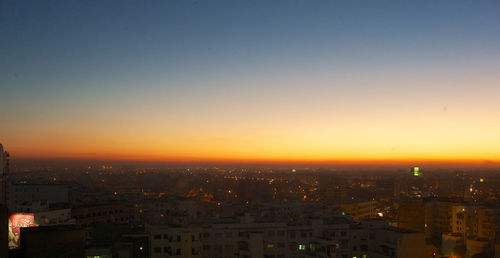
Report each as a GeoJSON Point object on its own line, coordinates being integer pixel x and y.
{"type": "Point", "coordinates": [52, 241]}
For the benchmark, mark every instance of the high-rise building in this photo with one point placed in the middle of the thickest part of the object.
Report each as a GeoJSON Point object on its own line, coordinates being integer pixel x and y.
{"type": "Point", "coordinates": [4, 171]}
{"type": "Point", "coordinates": [4, 167]}
{"type": "Point", "coordinates": [1, 159]}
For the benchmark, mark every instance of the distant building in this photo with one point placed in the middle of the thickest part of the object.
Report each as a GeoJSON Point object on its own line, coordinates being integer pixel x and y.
{"type": "Point", "coordinates": [109, 213]}
{"type": "Point", "coordinates": [175, 241]}
{"type": "Point", "coordinates": [4, 171]}
{"type": "Point", "coordinates": [18, 194]}
{"type": "Point", "coordinates": [473, 222]}
{"type": "Point", "coordinates": [273, 239]}
{"type": "Point", "coordinates": [359, 209]}
{"type": "Point", "coordinates": [4, 167]}
{"type": "Point", "coordinates": [53, 217]}
{"type": "Point", "coordinates": [394, 242]}
{"type": "Point", "coordinates": [411, 215]}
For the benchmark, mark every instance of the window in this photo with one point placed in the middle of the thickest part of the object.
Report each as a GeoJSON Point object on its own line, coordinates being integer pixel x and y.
{"type": "Point", "coordinates": [178, 251]}
{"type": "Point", "coordinates": [157, 236]}
{"type": "Point", "coordinates": [270, 245]}
{"type": "Point", "coordinates": [281, 232]}
{"type": "Point", "coordinates": [302, 247]}
{"type": "Point", "coordinates": [157, 250]}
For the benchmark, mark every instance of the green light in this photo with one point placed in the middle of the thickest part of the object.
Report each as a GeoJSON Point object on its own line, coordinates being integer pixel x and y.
{"type": "Point", "coordinates": [302, 247]}
{"type": "Point", "coordinates": [416, 171]}
{"type": "Point", "coordinates": [343, 213]}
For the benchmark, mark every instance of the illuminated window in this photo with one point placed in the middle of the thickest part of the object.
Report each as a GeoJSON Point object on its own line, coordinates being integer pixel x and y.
{"type": "Point", "coordinates": [302, 247]}
{"type": "Point", "coordinates": [270, 245]}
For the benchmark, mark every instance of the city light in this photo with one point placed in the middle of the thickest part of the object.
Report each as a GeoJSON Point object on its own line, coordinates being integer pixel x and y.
{"type": "Point", "coordinates": [416, 171]}
{"type": "Point", "coordinates": [250, 128]}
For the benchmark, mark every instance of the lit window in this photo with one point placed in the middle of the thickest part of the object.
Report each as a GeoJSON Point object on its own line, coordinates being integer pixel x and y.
{"type": "Point", "coordinates": [302, 247]}
{"type": "Point", "coordinates": [270, 245]}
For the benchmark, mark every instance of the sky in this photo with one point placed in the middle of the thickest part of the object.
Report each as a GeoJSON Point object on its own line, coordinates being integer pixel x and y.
{"type": "Point", "coordinates": [312, 81]}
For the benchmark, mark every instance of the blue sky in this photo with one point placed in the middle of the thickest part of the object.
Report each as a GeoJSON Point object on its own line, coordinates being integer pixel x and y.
{"type": "Point", "coordinates": [71, 63]}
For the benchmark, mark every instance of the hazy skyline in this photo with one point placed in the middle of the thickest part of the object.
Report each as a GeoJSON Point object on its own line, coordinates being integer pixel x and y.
{"type": "Point", "coordinates": [251, 80]}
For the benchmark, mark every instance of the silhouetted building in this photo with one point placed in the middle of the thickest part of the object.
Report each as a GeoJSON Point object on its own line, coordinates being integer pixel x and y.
{"type": "Point", "coordinates": [52, 241]}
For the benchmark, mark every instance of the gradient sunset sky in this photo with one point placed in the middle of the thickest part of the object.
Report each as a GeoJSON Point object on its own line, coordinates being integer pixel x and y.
{"type": "Point", "coordinates": [251, 80]}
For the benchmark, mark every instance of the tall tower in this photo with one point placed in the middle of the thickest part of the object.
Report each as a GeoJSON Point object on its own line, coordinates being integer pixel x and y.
{"type": "Point", "coordinates": [1, 159]}
{"type": "Point", "coordinates": [4, 171]}
{"type": "Point", "coordinates": [4, 168]}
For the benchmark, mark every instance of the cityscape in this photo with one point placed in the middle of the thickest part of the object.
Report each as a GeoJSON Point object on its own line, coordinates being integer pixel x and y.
{"type": "Point", "coordinates": [120, 210]}
{"type": "Point", "coordinates": [250, 129]}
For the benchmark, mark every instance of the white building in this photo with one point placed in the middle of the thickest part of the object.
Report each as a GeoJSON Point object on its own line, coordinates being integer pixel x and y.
{"type": "Point", "coordinates": [309, 238]}
{"type": "Point", "coordinates": [53, 217]}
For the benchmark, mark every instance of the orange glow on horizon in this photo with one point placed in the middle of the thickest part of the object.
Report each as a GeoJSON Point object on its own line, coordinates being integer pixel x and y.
{"type": "Point", "coordinates": [301, 127]}
{"type": "Point", "coordinates": [276, 161]}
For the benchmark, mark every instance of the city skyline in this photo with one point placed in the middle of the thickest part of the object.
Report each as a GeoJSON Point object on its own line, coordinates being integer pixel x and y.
{"type": "Point", "coordinates": [332, 82]}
